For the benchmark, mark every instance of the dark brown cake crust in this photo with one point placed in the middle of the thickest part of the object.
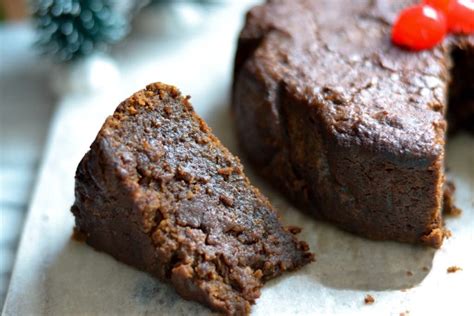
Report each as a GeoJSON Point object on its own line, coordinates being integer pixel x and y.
{"type": "Point", "coordinates": [350, 127]}
{"type": "Point", "coordinates": [159, 192]}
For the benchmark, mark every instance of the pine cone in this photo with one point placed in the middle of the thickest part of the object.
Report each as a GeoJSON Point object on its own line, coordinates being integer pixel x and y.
{"type": "Point", "coordinates": [70, 29]}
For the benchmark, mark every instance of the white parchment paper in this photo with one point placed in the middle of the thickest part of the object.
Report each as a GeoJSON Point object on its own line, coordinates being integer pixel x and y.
{"type": "Point", "coordinates": [54, 275]}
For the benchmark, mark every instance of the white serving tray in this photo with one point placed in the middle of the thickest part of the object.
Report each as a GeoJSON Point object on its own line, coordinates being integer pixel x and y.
{"type": "Point", "coordinates": [55, 275]}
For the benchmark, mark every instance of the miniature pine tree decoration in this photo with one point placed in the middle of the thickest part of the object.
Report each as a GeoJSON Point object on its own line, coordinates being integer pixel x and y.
{"type": "Point", "coordinates": [70, 29]}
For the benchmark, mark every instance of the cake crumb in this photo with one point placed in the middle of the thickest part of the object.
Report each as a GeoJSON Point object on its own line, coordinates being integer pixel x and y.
{"type": "Point", "coordinates": [189, 195]}
{"type": "Point", "coordinates": [369, 299]}
{"type": "Point", "coordinates": [226, 200]}
{"type": "Point", "coordinates": [447, 233]}
{"type": "Point", "coordinates": [449, 208]}
{"type": "Point", "coordinates": [425, 268]}
{"type": "Point", "coordinates": [453, 269]}
{"type": "Point", "coordinates": [295, 230]}
{"type": "Point", "coordinates": [167, 110]}
{"type": "Point", "coordinates": [454, 211]}
{"type": "Point", "coordinates": [409, 273]}
{"type": "Point", "coordinates": [227, 171]}
{"type": "Point", "coordinates": [77, 235]}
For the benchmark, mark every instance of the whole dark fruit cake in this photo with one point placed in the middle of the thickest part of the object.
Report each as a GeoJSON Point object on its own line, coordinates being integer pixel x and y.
{"type": "Point", "coordinates": [350, 126]}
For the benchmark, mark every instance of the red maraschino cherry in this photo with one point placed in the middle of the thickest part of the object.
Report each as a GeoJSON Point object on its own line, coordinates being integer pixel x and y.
{"type": "Point", "coordinates": [441, 5]}
{"type": "Point", "coordinates": [419, 27]}
{"type": "Point", "coordinates": [459, 14]}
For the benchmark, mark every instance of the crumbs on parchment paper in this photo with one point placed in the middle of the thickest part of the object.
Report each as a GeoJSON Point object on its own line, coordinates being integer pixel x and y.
{"type": "Point", "coordinates": [369, 299]}
{"type": "Point", "coordinates": [453, 269]}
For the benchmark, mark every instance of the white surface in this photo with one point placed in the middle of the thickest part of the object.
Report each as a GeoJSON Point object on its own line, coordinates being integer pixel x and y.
{"type": "Point", "coordinates": [57, 276]}
{"type": "Point", "coordinates": [25, 109]}
{"type": "Point", "coordinates": [89, 75]}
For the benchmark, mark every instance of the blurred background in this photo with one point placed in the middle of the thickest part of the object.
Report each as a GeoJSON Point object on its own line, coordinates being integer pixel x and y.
{"type": "Point", "coordinates": [64, 66]}
{"type": "Point", "coordinates": [52, 51]}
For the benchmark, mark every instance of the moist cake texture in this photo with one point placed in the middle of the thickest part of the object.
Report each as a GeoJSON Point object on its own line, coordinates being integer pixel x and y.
{"type": "Point", "coordinates": [159, 192]}
{"type": "Point", "coordinates": [349, 126]}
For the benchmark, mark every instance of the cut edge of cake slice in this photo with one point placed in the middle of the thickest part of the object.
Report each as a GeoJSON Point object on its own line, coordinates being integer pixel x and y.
{"type": "Point", "coordinates": [158, 191]}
